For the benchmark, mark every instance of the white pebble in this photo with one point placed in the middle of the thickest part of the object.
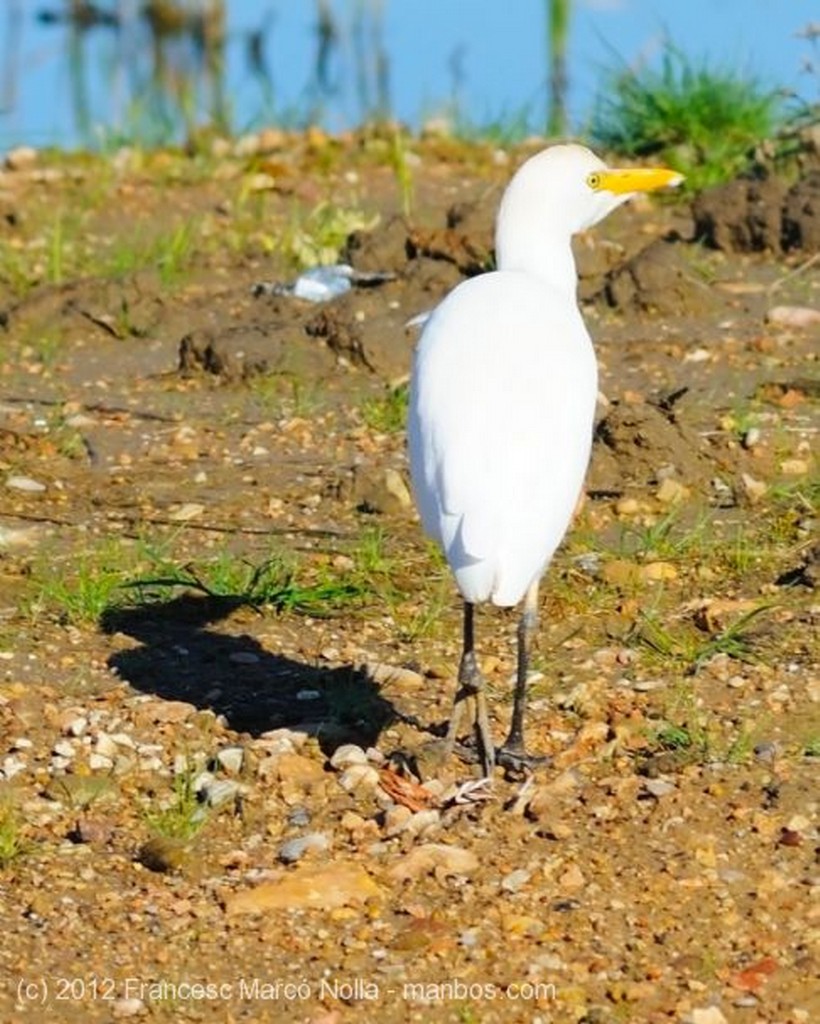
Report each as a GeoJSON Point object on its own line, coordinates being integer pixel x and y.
{"type": "Point", "coordinates": [105, 745]}
{"type": "Point", "coordinates": [12, 766]}
{"type": "Point", "coordinates": [222, 791]}
{"type": "Point", "coordinates": [659, 787]}
{"type": "Point", "coordinates": [357, 776]}
{"type": "Point", "coordinates": [25, 483]}
{"type": "Point", "coordinates": [751, 437]}
{"type": "Point", "coordinates": [346, 755]}
{"type": "Point", "coordinates": [282, 741]}
{"type": "Point", "coordinates": [231, 759]}
{"type": "Point", "coordinates": [422, 823]}
{"type": "Point", "coordinates": [148, 749]}
{"type": "Point", "coordinates": [127, 1007]}
{"type": "Point", "coordinates": [515, 879]}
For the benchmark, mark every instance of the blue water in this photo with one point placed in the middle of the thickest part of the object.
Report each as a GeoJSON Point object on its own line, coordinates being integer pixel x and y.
{"type": "Point", "coordinates": [476, 62]}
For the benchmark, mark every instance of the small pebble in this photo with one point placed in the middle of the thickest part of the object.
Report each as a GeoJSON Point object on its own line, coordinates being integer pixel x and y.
{"type": "Point", "coordinates": [127, 1007]}
{"type": "Point", "coordinates": [751, 437]}
{"type": "Point", "coordinates": [793, 316]}
{"type": "Point", "coordinates": [64, 748]}
{"type": "Point", "coordinates": [221, 791]}
{"type": "Point", "coordinates": [164, 854]}
{"type": "Point", "coordinates": [231, 759]}
{"type": "Point", "coordinates": [105, 746]}
{"type": "Point", "coordinates": [358, 776]}
{"type": "Point", "coordinates": [708, 1015]}
{"type": "Point", "coordinates": [294, 849]}
{"type": "Point", "coordinates": [647, 685]}
{"type": "Point", "coordinates": [346, 755]}
{"type": "Point", "coordinates": [92, 832]}
{"type": "Point", "coordinates": [122, 739]}
{"type": "Point", "coordinates": [589, 562]}
{"type": "Point", "coordinates": [298, 817]}
{"type": "Point", "coordinates": [659, 787]}
{"type": "Point", "coordinates": [202, 781]}
{"type": "Point", "coordinates": [515, 880]}
{"type": "Point", "coordinates": [395, 819]}
{"type": "Point", "coordinates": [99, 762]}
{"type": "Point", "coordinates": [243, 658]}
{"type": "Point", "coordinates": [422, 823]}
{"type": "Point", "coordinates": [25, 483]}
{"type": "Point", "coordinates": [282, 741]}
{"type": "Point", "coordinates": [12, 766]}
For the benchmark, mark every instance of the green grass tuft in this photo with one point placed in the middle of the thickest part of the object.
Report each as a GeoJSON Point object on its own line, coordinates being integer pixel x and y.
{"type": "Point", "coordinates": [183, 815]}
{"type": "Point", "coordinates": [388, 414]}
{"type": "Point", "coordinates": [704, 121]}
{"type": "Point", "coordinates": [275, 583]}
{"type": "Point", "coordinates": [12, 843]}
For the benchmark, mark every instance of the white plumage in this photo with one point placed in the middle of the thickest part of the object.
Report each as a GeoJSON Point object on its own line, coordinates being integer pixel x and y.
{"type": "Point", "coordinates": [500, 430]}
{"type": "Point", "coordinates": [502, 399]}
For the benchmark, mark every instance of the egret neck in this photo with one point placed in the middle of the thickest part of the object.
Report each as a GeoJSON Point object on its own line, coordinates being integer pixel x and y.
{"type": "Point", "coordinates": [536, 245]}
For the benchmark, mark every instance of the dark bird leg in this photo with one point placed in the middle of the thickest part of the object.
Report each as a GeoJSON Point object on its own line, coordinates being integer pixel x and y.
{"type": "Point", "coordinates": [471, 689]}
{"type": "Point", "coordinates": [513, 754]}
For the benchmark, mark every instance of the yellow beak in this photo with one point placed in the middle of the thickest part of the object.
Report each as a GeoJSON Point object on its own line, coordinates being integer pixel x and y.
{"type": "Point", "coordinates": [633, 179]}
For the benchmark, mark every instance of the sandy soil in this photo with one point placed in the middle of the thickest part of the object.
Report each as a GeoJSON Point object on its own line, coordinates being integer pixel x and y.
{"type": "Point", "coordinates": [202, 811]}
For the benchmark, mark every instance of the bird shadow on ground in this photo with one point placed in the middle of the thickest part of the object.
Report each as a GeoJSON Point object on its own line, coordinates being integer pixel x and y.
{"type": "Point", "coordinates": [181, 656]}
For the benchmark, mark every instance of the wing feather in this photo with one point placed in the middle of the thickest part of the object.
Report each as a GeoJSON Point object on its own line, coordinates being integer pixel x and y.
{"type": "Point", "coordinates": [500, 426]}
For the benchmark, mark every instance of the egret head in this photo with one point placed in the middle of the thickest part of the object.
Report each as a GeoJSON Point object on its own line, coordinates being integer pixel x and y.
{"type": "Point", "coordinates": [563, 190]}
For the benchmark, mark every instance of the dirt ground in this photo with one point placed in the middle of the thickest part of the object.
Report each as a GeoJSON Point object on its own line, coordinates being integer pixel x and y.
{"type": "Point", "coordinates": [228, 653]}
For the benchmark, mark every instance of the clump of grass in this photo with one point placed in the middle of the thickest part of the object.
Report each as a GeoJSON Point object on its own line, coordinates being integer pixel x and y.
{"type": "Point", "coordinates": [12, 843]}
{"type": "Point", "coordinates": [388, 414]}
{"type": "Point", "coordinates": [670, 736]}
{"type": "Point", "coordinates": [170, 253]}
{"type": "Point", "coordinates": [319, 238]}
{"type": "Point", "coordinates": [400, 162]}
{"type": "Point", "coordinates": [691, 737]}
{"type": "Point", "coordinates": [284, 394]}
{"type": "Point", "coordinates": [668, 537]}
{"type": "Point", "coordinates": [275, 583]}
{"type": "Point", "coordinates": [688, 650]}
{"type": "Point", "coordinates": [705, 121]}
{"type": "Point", "coordinates": [82, 593]}
{"type": "Point", "coordinates": [183, 816]}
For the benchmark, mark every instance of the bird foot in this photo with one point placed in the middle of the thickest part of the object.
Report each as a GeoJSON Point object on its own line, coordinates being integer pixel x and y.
{"type": "Point", "coordinates": [515, 760]}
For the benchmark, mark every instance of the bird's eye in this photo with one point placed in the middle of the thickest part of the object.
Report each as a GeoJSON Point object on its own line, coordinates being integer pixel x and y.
{"type": "Point", "coordinates": [594, 180]}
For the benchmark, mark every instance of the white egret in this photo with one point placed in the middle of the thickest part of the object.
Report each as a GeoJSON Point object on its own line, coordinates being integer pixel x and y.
{"type": "Point", "coordinates": [502, 403]}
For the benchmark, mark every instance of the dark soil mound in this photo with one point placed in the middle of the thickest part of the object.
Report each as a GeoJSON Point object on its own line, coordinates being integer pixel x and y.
{"type": "Point", "coordinates": [760, 215]}
{"type": "Point", "coordinates": [657, 280]}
